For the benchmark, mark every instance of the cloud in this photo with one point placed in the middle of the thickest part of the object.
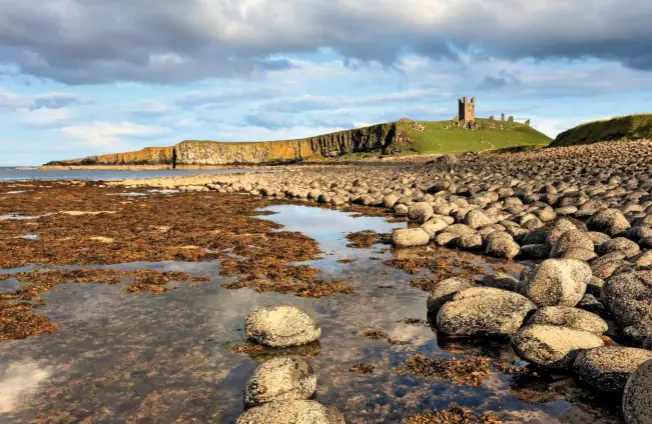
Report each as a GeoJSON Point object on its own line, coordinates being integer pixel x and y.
{"type": "Point", "coordinates": [11, 100]}
{"type": "Point", "coordinates": [44, 117]}
{"type": "Point", "coordinates": [149, 108]}
{"type": "Point", "coordinates": [109, 134]}
{"type": "Point", "coordinates": [82, 42]}
{"type": "Point", "coordinates": [56, 100]}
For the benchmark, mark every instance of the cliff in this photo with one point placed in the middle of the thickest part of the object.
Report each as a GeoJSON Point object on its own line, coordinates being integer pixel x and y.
{"type": "Point", "coordinates": [197, 152]}
{"type": "Point", "coordinates": [631, 127]}
{"type": "Point", "coordinates": [404, 137]}
{"type": "Point", "coordinates": [146, 156]}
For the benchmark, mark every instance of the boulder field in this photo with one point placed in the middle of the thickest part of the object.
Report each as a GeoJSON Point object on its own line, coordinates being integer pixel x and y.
{"type": "Point", "coordinates": [581, 216]}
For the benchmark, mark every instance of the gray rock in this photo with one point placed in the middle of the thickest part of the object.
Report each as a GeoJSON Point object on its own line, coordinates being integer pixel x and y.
{"type": "Point", "coordinates": [557, 282]}
{"type": "Point", "coordinates": [592, 304]}
{"type": "Point", "coordinates": [637, 399]}
{"type": "Point", "coordinates": [500, 280]}
{"type": "Point", "coordinates": [446, 239]}
{"type": "Point", "coordinates": [535, 251]}
{"type": "Point", "coordinates": [628, 312]}
{"type": "Point", "coordinates": [284, 378]}
{"type": "Point", "coordinates": [476, 218]}
{"type": "Point", "coordinates": [638, 333]}
{"type": "Point", "coordinates": [608, 368]}
{"type": "Point", "coordinates": [628, 285]}
{"type": "Point", "coordinates": [407, 237]}
{"type": "Point", "coordinates": [572, 239]}
{"type": "Point", "coordinates": [470, 242]}
{"type": "Point", "coordinates": [420, 212]}
{"type": "Point", "coordinates": [609, 221]}
{"type": "Point", "coordinates": [597, 238]}
{"type": "Point", "coordinates": [483, 311]}
{"type": "Point", "coordinates": [444, 292]}
{"type": "Point", "coordinates": [281, 326]}
{"type": "Point", "coordinates": [433, 226]}
{"type": "Point", "coordinates": [620, 244]}
{"type": "Point", "coordinates": [569, 317]}
{"type": "Point", "coordinates": [551, 346]}
{"type": "Point", "coordinates": [580, 254]}
{"type": "Point", "coordinates": [292, 412]}
{"type": "Point", "coordinates": [501, 245]}
{"type": "Point", "coordinates": [557, 229]}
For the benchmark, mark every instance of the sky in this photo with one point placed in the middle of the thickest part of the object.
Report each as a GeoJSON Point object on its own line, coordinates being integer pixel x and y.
{"type": "Point", "coordinates": [86, 77]}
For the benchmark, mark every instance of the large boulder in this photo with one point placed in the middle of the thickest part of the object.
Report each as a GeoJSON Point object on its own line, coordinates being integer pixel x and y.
{"type": "Point", "coordinates": [569, 317]}
{"type": "Point", "coordinates": [609, 221]}
{"type": "Point", "coordinates": [570, 240]}
{"type": "Point", "coordinates": [407, 237]}
{"type": "Point", "coordinates": [476, 218]}
{"type": "Point", "coordinates": [557, 282]}
{"type": "Point", "coordinates": [292, 412]}
{"type": "Point", "coordinates": [551, 346]}
{"type": "Point", "coordinates": [444, 292]}
{"type": "Point", "coordinates": [283, 378]}
{"type": "Point", "coordinates": [433, 226]}
{"type": "Point", "coordinates": [608, 368]}
{"type": "Point", "coordinates": [637, 399]}
{"type": "Point", "coordinates": [281, 326]}
{"type": "Point", "coordinates": [628, 286]}
{"type": "Point", "coordinates": [501, 245]}
{"type": "Point", "coordinates": [483, 311]}
{"type": "Point", "coordinates": [420, 212]}
{"type": "Point", "coordinates": [620, 244]}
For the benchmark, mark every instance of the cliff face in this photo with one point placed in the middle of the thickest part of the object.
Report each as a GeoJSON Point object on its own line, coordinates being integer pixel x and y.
{"type": "Point", "coordinates": [191, 152]}
{"type": "Point", "coordinates": [146, 156]}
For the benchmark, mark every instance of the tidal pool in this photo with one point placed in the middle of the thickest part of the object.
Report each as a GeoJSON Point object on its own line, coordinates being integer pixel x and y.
{"type": "Point", "coordinates": [120, 357]}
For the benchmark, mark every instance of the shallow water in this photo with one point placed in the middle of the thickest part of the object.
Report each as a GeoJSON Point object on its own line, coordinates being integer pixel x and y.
{"type": "Point", "coordinates": [120, 357]}
{"type": "Point", "coordinates": [12, 174]}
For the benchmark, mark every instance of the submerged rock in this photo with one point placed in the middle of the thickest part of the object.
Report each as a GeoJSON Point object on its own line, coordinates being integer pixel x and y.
{"type": "Point", "coordinates": [281, 326]}
{"type": "Point", "coordinates": [292, 412]}
{"type": "Point", "coordinates": [608, 368]}
{"type": "Point", "coordinates": [552, 347]}
{"type": "Point", "coordinates": [285, 378]}
{"type": "Point", "coordinates": [483, 311]}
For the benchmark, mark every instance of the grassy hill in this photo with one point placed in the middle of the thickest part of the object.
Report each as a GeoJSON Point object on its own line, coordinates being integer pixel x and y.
{"type": "Point", "coordinates": [426, 137]}
{"type": "Point", "coordinates": [631, 127]}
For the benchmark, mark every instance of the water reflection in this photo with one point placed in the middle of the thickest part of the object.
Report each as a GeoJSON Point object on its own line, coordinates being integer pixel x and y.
{"type": "Point", "coordinates": [120, 357]}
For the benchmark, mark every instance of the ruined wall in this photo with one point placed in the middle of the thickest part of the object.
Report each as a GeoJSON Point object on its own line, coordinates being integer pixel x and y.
{"type": "Point", "coordinates": [191, 152]}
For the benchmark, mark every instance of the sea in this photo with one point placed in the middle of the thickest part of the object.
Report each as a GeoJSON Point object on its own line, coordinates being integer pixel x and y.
{"type": "Point", "coordinates": [10, 173]}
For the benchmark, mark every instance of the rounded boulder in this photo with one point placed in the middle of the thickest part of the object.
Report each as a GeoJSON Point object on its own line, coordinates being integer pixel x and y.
{"type": "Point", "coordinates": [281, 326]}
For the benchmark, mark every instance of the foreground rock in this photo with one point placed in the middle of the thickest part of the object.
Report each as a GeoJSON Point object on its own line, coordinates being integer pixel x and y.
{"type": "Point", "coordinates": [292, 412]}
{"type": "Point", "coordinates": [608, 368]}
{"type": "Point", "coordinates": [552, 347]}
{"type": "Point", "coordinates": [408, 237]}
{"type": "Point", "coordinates": [637, 400]}
{"type": "Point", "coordinates": [569, 317]}
{"type": "Point", "coordinates": [483, 311]}
{"type": "Point", "coordinates": [557, 282]}
{"type": "Point", "coordinates": [281, 326]}
{"type": "Point", "coordinates": [444, 292]}
{"type": "Point", "coordinates": [286, 378]}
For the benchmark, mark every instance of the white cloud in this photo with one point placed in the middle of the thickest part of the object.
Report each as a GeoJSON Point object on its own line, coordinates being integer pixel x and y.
{"type": "Point", "coordinates": [44, 117]}
{"type": "Point", "coordinates": [110, 134]}
{"type": "Point", "coordinates": [12, 100]}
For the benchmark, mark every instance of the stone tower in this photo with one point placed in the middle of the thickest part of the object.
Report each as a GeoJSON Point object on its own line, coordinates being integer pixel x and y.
{"type": "Point", "coordinates": [467, 110]}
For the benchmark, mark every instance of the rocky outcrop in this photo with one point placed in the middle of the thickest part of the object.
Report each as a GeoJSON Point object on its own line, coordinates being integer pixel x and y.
{"type": "Point", "coordinates": [381, 137]}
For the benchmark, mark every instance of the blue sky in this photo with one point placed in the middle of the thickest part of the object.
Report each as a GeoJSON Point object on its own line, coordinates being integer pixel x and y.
{"type": "Point", "coordinates": [79, 78]}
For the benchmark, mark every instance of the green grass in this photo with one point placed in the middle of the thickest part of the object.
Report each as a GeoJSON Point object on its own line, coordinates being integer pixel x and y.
{"type": "Point", "coordinates": [445, 137]}
{"type": "Point", "coordinates": [631, 127]}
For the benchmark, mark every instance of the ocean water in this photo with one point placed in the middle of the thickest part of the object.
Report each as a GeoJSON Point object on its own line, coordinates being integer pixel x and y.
{"type": "Point", "coordinates": [13, 174]}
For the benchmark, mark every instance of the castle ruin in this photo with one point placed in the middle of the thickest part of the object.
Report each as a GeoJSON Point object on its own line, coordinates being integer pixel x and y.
{"type": "Point", "coordinates": [466, 114]}
{"type": "Point", "coordinates": [466, 110]}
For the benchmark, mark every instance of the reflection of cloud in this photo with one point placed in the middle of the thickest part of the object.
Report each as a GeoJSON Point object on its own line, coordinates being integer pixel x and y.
{"type": "Point", "coordinates": [18, 378]}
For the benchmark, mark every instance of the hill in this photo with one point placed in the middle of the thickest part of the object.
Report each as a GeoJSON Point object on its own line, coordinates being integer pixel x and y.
{"type": "Point", "coordinates": [630, 127]}
{"type": "Point", "coordinates": [393, 138]}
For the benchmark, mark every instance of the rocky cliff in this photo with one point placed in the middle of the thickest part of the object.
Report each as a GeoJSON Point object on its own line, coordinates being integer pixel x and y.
{"type": "Point", "coordinates": [146, 156]}
{"type": "Point", "coordinates": [195, 152]}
